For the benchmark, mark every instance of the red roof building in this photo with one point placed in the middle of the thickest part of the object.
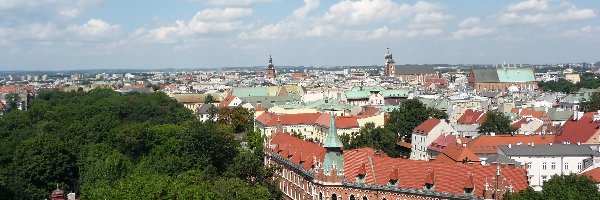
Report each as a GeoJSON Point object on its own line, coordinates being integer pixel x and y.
{"type": "Point", "coordinates": [487, 144]}
{"type": "Point", "coordinates": [426, 127]}
{"type": "Point", "coordinates": [581, 127]}
{"type": "Point", "coordinates": [374, 175]}
{"type": "Point", "coordinates": [457, 153]}
{"type": "Point", "coordinates": [472, 117]}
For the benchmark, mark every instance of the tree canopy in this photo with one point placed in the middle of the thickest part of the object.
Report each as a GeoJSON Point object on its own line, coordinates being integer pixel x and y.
{"type": "Point", "coordinates": [497, 123]}
{"type": "Point", "coordinates": [378, 138]}
{"type": "Point", "coordinates": [106, 145]}
{"type": "Point", "coordinates": [410, 114]}
{"type": "Point", "coordinates": [592, 104]}
{"type": "Point", "coordinates": [560, 187]}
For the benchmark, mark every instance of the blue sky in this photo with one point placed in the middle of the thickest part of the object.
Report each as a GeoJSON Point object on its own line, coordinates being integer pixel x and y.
{"type": "Point", "coordinates": [91, 34]}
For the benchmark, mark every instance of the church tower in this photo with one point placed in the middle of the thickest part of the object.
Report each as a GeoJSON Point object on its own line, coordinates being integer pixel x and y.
{"type": "Point", "coordinates": [270, 71]}
{"type": "Point", "coordinates": [390, 65]}
{"type": "Point", "coordinates": [333, 164]}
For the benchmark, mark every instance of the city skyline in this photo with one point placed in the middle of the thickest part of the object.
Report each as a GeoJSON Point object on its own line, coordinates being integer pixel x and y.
{"type": "Point", "coordinates": [97, 34]}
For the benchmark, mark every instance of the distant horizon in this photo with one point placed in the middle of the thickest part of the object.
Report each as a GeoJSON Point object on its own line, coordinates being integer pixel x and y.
{"type": "Point", "coordinates": [106, 34]}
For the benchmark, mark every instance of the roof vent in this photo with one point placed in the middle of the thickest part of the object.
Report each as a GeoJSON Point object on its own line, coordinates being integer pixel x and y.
{"type": "Point", "coordinates": [509, 146]}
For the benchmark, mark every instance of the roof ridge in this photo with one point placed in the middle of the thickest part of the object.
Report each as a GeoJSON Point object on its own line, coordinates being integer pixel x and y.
{"type": "Point", "coordinates": [372, 168]}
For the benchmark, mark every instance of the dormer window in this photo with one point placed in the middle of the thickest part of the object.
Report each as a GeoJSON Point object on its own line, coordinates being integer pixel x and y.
{"type": "Point", "coordinates": [469, 190]}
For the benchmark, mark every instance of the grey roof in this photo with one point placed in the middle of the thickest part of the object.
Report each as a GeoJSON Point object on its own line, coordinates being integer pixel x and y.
{"type": "Point", "coordinates": [486, 75]}
{"type": "Point", "coordinates": [204, 109]}
{"type": "Point", "coordinates": [408, 70]}
{"type": "Point", "coordinates": [556, 115]}
{"type": "Point", "coordinates": [270, 101]}
{"type": "Point", "coordinates": [551, 150]}
{"type": "Point", "coordinates": [501, 159]}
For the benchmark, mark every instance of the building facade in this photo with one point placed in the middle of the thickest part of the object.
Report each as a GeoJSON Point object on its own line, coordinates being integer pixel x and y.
{"type": "Point", "coordinates": [311, 171]}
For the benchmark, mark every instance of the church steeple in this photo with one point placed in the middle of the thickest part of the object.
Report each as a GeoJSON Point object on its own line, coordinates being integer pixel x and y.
{"type": "Point", "coordinates": [390, 64]}
{"type": "Point", "coordinates": [334, 157]}
{"type": "Point", "coordinates": [270, 71]}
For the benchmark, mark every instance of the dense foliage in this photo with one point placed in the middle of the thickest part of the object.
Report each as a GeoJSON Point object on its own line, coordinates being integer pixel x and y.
{"type": "Point", "coordinates": [560, 187]}
{"type": "Point", "coordinates": [106, 145]}
{"type": "Point", "coordinates": [410, 114]}
{"type": "Point", "coordinates": [378, 138]}
{"type": "Point", "coordinates": [591, 105]}
{"type": "Point", "coordinates": [588, 80]}
{"type": "Point", "coordinates": [562, 85]}
{"type": "Point", "coordinates": [497, 123]}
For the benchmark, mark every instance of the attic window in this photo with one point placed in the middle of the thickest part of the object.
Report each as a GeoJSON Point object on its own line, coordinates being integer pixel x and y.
{"type": "Point", "coordinates": [469, 190]}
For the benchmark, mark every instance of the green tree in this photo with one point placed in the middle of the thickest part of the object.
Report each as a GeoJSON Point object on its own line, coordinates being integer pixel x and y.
{"type": "Point", "coordinates": [410, 114]}
{"type": "Point", "coordinates": [12, 101]}
{"type": "Point", "coordinates": [377, 138]}
{"type": "Point", "coordinates": [562, 85]}
{"type": "Point", "coordinates": [560, 187]}
{"type": "Point", "coordinates": [591, 105]}
{"type": "Point", "coordinates": [497, 123]}
{"type": "Point", "coordinates": [42, 162]}
{"type": "Point", "coordinates": [236, 117]}
{"type": "Point", "coordinates": [209, 99]}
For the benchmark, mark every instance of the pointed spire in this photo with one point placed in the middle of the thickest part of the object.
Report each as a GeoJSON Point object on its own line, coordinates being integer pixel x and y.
{"type": "Point", "coordinates": [333, 139]}
{"type": "Point", "coordinates": [430, 179]}
{"type": "Point", "coordinates": [362, 170]}
{"type": "Point", "coordinates": [393, 174]}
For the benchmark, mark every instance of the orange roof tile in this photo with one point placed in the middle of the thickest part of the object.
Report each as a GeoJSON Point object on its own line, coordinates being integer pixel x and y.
{"type": "Point", "coordinates": [487, 144]}
{"type": "Point", "coordinates": [426, 126]}
{"type": "Point", "coordinates": [581, 130]}
{"type": "Point", "coordinates": [321, 119]}
{"type": "Point", "coordinates": [226, 101]}
{"type": "Point", "coordinates": [448, 176]}
{"type": "Point", "coordinates": [594, 174]}
{"type": "Point", "coordinates": [457, 153]}
{"type": "Point", "coordinates": [260, 108]}
{"type": "Point", "coordinates": [472, 117]}
{"type": "Point", "coordinates": [306, 151]}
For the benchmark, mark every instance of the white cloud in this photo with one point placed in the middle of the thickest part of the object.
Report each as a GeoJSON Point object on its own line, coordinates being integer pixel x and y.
{"type": "Point", "coordinates": [469, 22]}
{"type": "Point", "coordinates": [309, 5]}
{"type": "Point", "coordinates": [69, 12]}
{"type": "Point", "coordinates": [94, 28]}
{"type": "Point", "coordinates": [321, 31]}
{"type": "Point", "coordinates": [367, 11]}
{"type": "Point", "coordinates": [204, 22]}
{"type": "Point", "coordinates": [472, 32]}
{"type": "Point", "coordinates": [219, 14]}
{"type": "Point", "coordinates": [586, 31]}
{"type": "Point", "coordinates": [230, 2]}
{"type": "Point", "coordinates": [528, 5]}
{"type": "Point", "coordinates": [348, 17]}
{"type": "Point", "coordinates": [542, 12]}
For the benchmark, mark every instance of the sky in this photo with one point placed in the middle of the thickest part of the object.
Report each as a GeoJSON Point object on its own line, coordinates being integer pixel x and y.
{"type": "Point", "coordinates": [101, 34]}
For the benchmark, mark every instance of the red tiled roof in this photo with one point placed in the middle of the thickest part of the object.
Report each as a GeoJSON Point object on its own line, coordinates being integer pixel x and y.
{"type": "Point", "coordinates": [519, 123]}
{"type": "Point", "coordinates": [472, 117]}
{"type": "Point", "coordinates": [404, 144]}
{"type": "Point", "coordinates": [260, 108]}
{"type": "Point", "coordinates": [470, 183]}
{"type": "Point", "coordinates": [594, 174]}
{"type": "Point", "coordinates": [426, 126]}
{"type": "Point", "coordinates": [12, 88]}
{"type": "Point", "coordinates": [444, 140]}
{"type": "Point", "coordinates": [300, 151]}
{"type": "Point", "coordinates": [530, 112]}
{"type": "Point", "coordinates": [226, 101]}
{"type": "Point", "coordinates": [578, 131]}
{"type": "Point", "coordinates": [487, 144]}
{"type": "Point", "coordinates": [448, 177]}
{"type": "Point", "coordinates": [457, 153]}
{"type": "Point", "coordinates": [321, 119]}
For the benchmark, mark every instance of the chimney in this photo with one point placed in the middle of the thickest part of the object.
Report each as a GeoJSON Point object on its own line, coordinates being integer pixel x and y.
{"type": "Point", "coordinates": [509, 146]}
{"type": "Point", "coordinates": [575, 115]}
{"type": "Point", "coordinates": [550, 143]}
{"type": "Point", "coordinates": [578, 143]}
{"type": "Point", "coordinates": [532, 144]}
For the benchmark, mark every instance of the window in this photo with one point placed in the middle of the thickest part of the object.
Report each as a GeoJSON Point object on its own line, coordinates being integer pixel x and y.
{"type": "Point", "coordinates": [579, 166]}
{"type": "Point", "coordinates": [566, 165]}
{"type": "Point", "coordinates": [320, 196]}
{"type": "Point", "coordinates": [334, 196]}
{"type": "Point", "coordinates": [544, 165]}
{"type": "Point", "coordinates": [544, 178]}
{"type": "Point", "coordinates": [553, 165]}
{"type": "Point", "coordinates": [365, 198]}
{"type": "Point", "coordinates": [529, 165]}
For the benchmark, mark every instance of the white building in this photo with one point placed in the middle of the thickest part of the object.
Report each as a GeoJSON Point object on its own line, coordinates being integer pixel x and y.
{"type": "Point", "coordinates": [424, 134]}
{"type": "Point", "coordinates": [544, 161]}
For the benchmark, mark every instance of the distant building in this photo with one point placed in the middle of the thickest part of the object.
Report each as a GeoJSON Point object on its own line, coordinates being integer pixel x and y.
{"type": "Point", "coordinates": [503, 79]}
{"type": "Point", "coordinates": [270, 71]}
{"type": "Point", "coordinates": [390, 65]}
{"type": "Point", "coordinates": [424, 134]}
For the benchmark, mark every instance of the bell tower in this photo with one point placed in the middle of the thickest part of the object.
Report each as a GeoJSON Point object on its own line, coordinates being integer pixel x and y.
{"type": "Point", "coordinates": [390, 65]}
{"type": "Point", "coordinates": [270, 71]}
